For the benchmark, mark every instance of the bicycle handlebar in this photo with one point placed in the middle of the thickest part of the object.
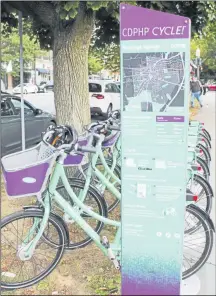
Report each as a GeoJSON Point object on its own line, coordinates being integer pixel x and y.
{"type": "Point", "coordinates": [67, 147]}
{"type": "Point", "coordinates": [84, 149]}
{"type": "Point", "coordinates": [114, 128]}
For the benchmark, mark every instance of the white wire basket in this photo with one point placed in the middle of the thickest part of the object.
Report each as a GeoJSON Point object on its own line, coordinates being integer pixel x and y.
{"type": "Point", "coordinates": [26, 172]}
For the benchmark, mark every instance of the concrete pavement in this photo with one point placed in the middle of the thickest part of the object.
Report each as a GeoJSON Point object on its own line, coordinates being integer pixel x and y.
{"type": "Point", "coordinates": [207, 274]}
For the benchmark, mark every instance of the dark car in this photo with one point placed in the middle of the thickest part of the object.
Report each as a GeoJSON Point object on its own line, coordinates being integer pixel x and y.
{"type": "Point", "coordinates": [36, 122]}
{"type": "Point", "coordinates": [45, 86]}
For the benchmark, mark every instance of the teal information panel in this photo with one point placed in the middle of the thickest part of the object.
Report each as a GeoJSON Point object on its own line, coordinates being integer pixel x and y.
{"type": "Point", "coordinates": [155, 67]}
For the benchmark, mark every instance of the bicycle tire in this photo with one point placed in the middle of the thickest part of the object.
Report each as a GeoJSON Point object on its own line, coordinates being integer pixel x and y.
{"type": "Point", "coordinates": [206, 155]}
{"type": "Point", "coordinates": [206, 133]}
{"type": "Point", "coordinates": [206, 223]}
{"type": "Point", "coordinates": [206, 188]}
{"type": "Point", "coordinates": [60, 251]}
{"type": "Point", "coordinates": [206, 141]}
{"type": "Point", "coordinates": [204, 166]}
{"type": "Point", "coordinates": [77, 183]}
{"type": "Point", "coordinates": [117, 171]}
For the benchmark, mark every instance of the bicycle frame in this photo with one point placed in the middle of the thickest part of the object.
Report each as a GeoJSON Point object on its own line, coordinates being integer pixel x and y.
{"type": "Point", "coordinates": [103, 177]}
{"type": "Point", "coordinates": [74, 211]}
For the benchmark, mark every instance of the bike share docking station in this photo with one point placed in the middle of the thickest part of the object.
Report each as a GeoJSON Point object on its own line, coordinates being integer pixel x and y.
{"type": "Point", "coordinates": [155, 67]}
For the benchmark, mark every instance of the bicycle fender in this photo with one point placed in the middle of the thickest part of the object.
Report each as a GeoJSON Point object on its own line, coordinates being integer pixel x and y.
{"type": "Point", "coordinates": [206, 215]}
{"type": "Point", "coordinates": [208, 170]}
{"type": "Point", "coordinates": [32, 208]}
{"type": "Point", "coordinates": [206, 183]}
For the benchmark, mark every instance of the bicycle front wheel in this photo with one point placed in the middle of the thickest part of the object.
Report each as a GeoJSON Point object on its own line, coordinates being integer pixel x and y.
{"type": "Point", "coordinates": [205, 172]}
{"type": "Point", "coordinates": [197, 245]}
{"type": "Point", "coordinates": [16, 271]}
{"type": "Point", "coordinates": [202, 189]}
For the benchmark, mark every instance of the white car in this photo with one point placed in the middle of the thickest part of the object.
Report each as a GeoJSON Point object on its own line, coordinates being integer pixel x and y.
{"type": "Point", "coordinates": [3, 89]}
{"type": "Point", "coordinates": [104, 96]}
{"type": "Point", "coordinates": [27, 88]}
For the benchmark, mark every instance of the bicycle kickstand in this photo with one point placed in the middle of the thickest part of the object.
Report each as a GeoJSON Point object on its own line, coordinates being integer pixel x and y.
{"type": "Point", "coordinates": [111, 256]}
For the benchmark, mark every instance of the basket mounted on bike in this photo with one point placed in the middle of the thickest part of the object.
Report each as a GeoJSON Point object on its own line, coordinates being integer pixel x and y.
{"type": "Point", "coordinates": [27, 171]}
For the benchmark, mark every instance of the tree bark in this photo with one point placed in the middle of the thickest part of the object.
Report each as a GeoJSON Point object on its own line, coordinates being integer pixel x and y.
{"type": "Point", "coordinates": [70, 61]}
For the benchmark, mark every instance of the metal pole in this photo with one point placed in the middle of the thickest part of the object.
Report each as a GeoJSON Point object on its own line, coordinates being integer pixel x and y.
{"type": "Point", "coordinates": [198, 72]}
{"type": "Point", "coordinates": [21, 81]}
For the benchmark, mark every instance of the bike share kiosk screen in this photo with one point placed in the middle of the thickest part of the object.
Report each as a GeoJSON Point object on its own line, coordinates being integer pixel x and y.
{"type": "Point", "coordinates": [155, 70]}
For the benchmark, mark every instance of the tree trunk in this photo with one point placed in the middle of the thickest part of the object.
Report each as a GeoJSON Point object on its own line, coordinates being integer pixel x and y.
{"type": "Point", "coordinates": [70, 61]}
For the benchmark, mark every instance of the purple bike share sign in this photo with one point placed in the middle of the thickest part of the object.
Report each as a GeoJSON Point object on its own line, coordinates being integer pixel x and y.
{"type": "Point", "coordinates": [155, 62]}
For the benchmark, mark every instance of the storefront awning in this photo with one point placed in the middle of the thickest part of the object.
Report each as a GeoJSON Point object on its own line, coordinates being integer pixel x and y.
{"type": "Point", "coordinates": [42, 71]}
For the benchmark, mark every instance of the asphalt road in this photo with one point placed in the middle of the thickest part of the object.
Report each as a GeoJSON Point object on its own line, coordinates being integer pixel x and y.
{"type": "Point", "coordinates": [45, 102]}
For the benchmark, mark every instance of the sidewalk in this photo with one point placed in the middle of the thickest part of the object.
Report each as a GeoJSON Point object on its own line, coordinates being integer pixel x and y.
{"type": "Point", "coordinates": [207, 115]}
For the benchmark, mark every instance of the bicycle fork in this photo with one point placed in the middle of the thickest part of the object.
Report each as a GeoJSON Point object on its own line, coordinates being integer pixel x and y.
{"type": "Point", "coordinates": [27, 248]}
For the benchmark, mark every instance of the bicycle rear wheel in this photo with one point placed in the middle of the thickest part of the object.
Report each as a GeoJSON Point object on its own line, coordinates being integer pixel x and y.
{"type": "Point", "coordinates": [78, 238]}
{"type": "Point", "coordinates": [197, 245]}
{"type": "Point", "coordinates": [16, 271]}
{"type": "Point", "coordinates": [111, 200]}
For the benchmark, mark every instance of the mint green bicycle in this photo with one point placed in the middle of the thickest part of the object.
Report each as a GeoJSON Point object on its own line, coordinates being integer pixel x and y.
{"type": "Point", "coordinates": [31, 254]}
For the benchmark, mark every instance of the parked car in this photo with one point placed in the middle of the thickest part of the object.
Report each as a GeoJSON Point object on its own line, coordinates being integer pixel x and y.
{"type": "Point", "coordinates": [46, 86]}
{"type": "Point", "coordinates": [2, 86]}
{"type": "Point", "coordinates": [93, 77]}
{"type": "Point", "coordinates": [41, 86]}
{"type": "Point", "coordinates": [27, 88]}
{"type": "Point", "coordinates": [118, 84]}
{"type": "Point", "coordinates": [36, 122]}
{"type": "Point", "coordinates": [104, 96]}
{"type": "Point", "coordinates": [211, 85]}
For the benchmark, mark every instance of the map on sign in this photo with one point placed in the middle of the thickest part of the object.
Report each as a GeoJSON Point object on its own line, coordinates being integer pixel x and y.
{"type": "Point", "coordinates": [153, 82]}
